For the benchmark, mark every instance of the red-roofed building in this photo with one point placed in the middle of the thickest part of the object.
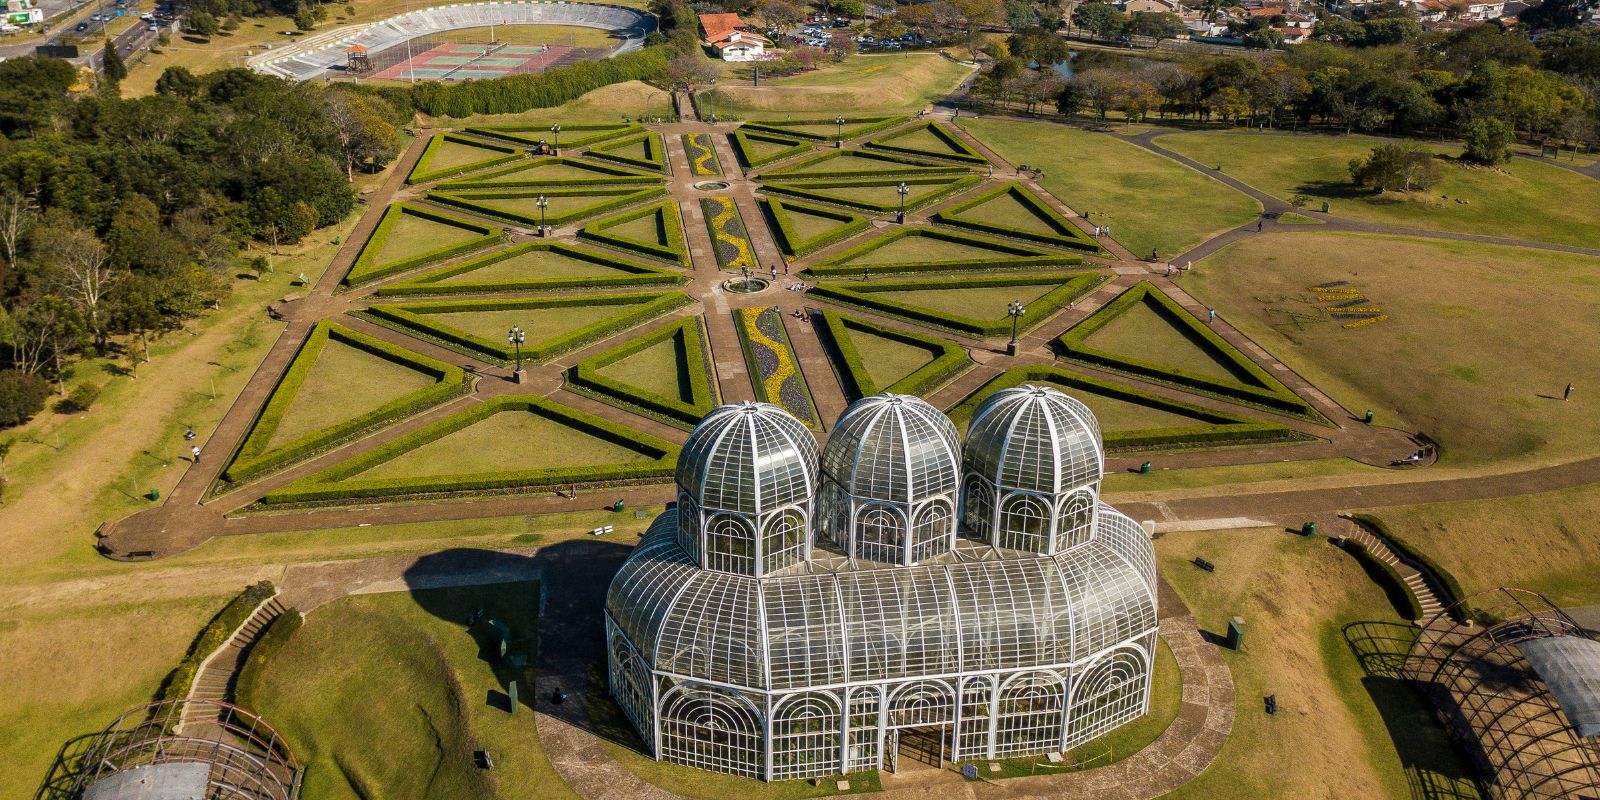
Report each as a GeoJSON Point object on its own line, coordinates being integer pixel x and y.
{"type": "Point", "coordinates": [731, 38]}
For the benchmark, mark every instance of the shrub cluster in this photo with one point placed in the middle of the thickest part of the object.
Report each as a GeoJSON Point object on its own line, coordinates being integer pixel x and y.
{"type": "Point", "coordinates": [789, 241]}
{"type": "Point", "coordinates": [789, 127]}
{"type": "Point", "coordinates": [608, 175]}
{"type": "Point", "coordinates": [1007, 256]}
{"type": "Point", "coordinates": [1066, 234]}
{"type": "Point", "coordinates": [1437, 575]}
{"type": "Point", "coordinates": [81, 397]}
{"type": "Point", "coordinates": [862, 295]}
{"type": "Point", "coordinates": [518, 93]}
{"type": "Point", "coordinates": [634, 274]}
{"type": "Point", "coordinates": [477, 202]}
{"type": "Point", "coordinates": [669, 226]}
{"type": "Point", "coordinates": [254, 457]}
{"type": "Point", "coordinates": [22, 394]}
{"type": "Point", "coordinates": [684, 335]}
{"type": "Point", "coordinates": [743, 144]}
{"type": "Point", "coordinates": [216, 632]}
{"type": "Point", "coordinates": [817, 192]}
{"type": "Point", "coordinates": [532, 135]}
{"type": "Point", "coordinates": [333, 483]}
{"type": "Point", "coordinates": [421, 172]}
{"type": "Point", "coordinates": [947, 357]}
{"type": "Point", "coordinates": [959, 150]}
{"type": "Point", "coordinates": [366, 268]}
{"type": "Point", "coordinates": [655, 152]}
{"type": "Point", "coordinates": [896, 166]}
{"type": "Point", "coordinates": [1253, 384]}
{"type": "Point", "coordinates": [637, 309]}
{"type": "Point", "coordinates": [271, 641]}
{"type": "Point", "coordinates": [1388, 579]}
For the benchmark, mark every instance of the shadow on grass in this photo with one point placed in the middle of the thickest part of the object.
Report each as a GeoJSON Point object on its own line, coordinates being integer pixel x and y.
{"type": "Point", "coordinates": [57, 783]}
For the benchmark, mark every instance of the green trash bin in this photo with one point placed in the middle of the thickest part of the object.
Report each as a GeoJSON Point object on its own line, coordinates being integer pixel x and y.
{"type": "Point", "coordinates": [1324, 206]}
{"type": "Point", "coordinates": [1144, 469]}
{"type": "Point", "coordinates": [618, 506]}
{"type": "Point", "coordinates": [1308, 528]}
{"type": "Point", "coordinates": [153, 494]}
{"type": "Point", "coordinates": [1369, 416]}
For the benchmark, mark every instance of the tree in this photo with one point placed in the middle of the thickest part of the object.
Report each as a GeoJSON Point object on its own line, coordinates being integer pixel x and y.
{"type": "Point", "coordinates": [1574, 51]}
{"type": "Point", "coordinates": [5, 451]}
{"type": "Point", "coordinates": [179, 82]}
{"type": "Point", "coordinates": [1557, 14]}
{"type": "Point", "coordinates": [1038, 45]}
{"type": "Point", "coordinates": [850, 9]}
{"type": "Point", "coordinates": [200, 23]}
{"type": "Point", "coordinates": [1164, 25]}
{"type": "Point", "coordinates": [361, 123]}
{"type": "Point", "coordinates": [80, 269]}
{"type": "Point", "coordinates": [1488, 140]}
{"type": "Point", "coordinates": [1099, 89]}
{"type": "Point", "coordinates": [17, 213]}
{"type": "Point", "coordinates": [21, 396]}
{"type": "Point", "coordinates": [1399, 166]}
{"type": "Point", "coordinates": [997, 82]}
{"type": "Point", "coordinates": [1069, 99]}
{"type": "Point", "coordinates": [112, 67]}
{"type": "Point", "coordinates": [1100, 19]}
{"type": "Point", "coordinates": [1137, 99]}
{"type": "Point", "coordinates": [781, 13]}
{"type": "Point", "coordinates": [303, 19]}
{"type": "Point", "coordinates": [1229, 104]}
{"type": "Point", "coordinates": [1039, 86]}
{"type": "Point", "coordinates": [1020, 14]}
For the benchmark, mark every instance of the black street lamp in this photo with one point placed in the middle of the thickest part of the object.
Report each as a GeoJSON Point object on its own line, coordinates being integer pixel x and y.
{"type": "Point", "coordinates": [556, 129]}
{"type": "Point", "coordinates": [902, 190]}
{"type": "Point", "coordinates": [713, 100]}
{"type": "Point", "coordinates": [542, 202]}
{"type": "Point", "coordinates": [838, 131]}
{"type": "Point", "coordinates": [515, 337]}
{"type": "Point", "coordinates": [1015, 312]}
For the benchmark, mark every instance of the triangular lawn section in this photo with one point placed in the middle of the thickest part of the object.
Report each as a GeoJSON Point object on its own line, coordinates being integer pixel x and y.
{"type": "Point", "coordinates": [563, 206]}
{"type": "Point", "coordinates": [341, 382]}
{"type": "Point", "coordinates": [801, 229]}
{"type": "Point", "coordinates": [550, 325]}
{"type": "Point", "coordinates": [1133, 419]}
{"type": "Point", "coordinates": [554, 171]}
{"type": "Point", "coordinates": [854, 164]}
{"type": "Point", "coordinates": [975, 306]}
{"type": "Point", "coordinates": [930, 139]}
{"type": "Point", "coordinates": [872, 358]}
{"type": "Point", "coordinates": [410, 236]}
{"type": "Point", "coordinates": [824, 129]}
{"type": "Point", "coordinates": [452, 154]}
{"type": "Point", "coordinates": [920, 249]}
{"type": "Point", "coordinates": [534, 266]}
{"type": "Point", "coordinates": [875, 194]}
{"type": "Point", "coordinates": [756, 148]}
{"type": "Point", "coordinates": [1014, 211]}
{"type": "Point", "coordinates": [664, 373]}
{"type": "Point", "coordinates": [506, 443]}
{"type": "Point", "coordinates": [570, 135]}
{"type": "Point", "coordinates": [1186, 353]}
{"type": "Point", "coordinates": [655, 230]}
{"type": "Point", "coordinates": [645, 151]}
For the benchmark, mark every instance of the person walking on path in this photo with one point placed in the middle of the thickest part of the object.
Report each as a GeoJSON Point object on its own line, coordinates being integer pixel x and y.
{"type": "Point", "coordinates": [1566, 394]}
{"type": "Point", "coordinates": [1259, 223]}
{"type": "Point", "coordinates": [194, 453]}
{"type": "Point", "coordinates": [1211, 316]}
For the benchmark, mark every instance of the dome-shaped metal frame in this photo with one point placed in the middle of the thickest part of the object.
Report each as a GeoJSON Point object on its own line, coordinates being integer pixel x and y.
{"type": "Point", "coordinates": [890, 472]}
{"type": "Point", "coordinates": [1033, 462]}
{"type": "Point", "coordinates": [745, 482]}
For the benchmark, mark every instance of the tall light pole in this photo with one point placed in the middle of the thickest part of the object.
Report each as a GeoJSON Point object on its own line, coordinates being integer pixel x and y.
{"type": "Point", "coordinates": [1015, 312]}
{"type": "Point", "coordinates": [902, 190]}
{"type": "Point", "coordinates": [713, 94]}
{"type": "Point", "coordinates": [556, 129]}
{"type": "Point", "coordinates": [541, 201]}
{"type": "Point", "coordinates": [838, 131]}
{"type": "Point", "coordinates": [515, 337]}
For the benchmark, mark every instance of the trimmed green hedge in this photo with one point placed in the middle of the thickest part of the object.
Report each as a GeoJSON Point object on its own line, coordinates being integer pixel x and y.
{"type": "Point", "coordinates": [531, 135]}
{"type": "Point", "coordinates": [686, 335]}
{"type": "Point", "coordinates": [742, 139]}
{"type": "Point", "coordinates": [638, 274]}
{"type": "Point", "coordinates": [818, 192]}
{"type": "Point", "coordinates": [253, 457]}
{"type": "Point", "coordinates": [514, 94]}
{"type": "Point", "coordinates": [278, 633]}
{"type": "Point", "coordinates": [655, 152]}
{"type": "Point", "coordinates": [903, 166]}
{"type": "Point", "coordinates": [365, 269]}
{"type": "Point", "coordinates": [473, 202]}
{"type": "Point", "coordinates": [670, 227]}
{"type": "Point", "coordinates": [861, 294]}
{"type": "Point", "coordinates": [638, 308]}
{"type": "Point", "coordinates": [1437, 575]}
{"type": "Point", "coordinates": [1220, 428]}
{"type": "Point", "coordinates": [1008, 255]}
{"type": "Point", "coordinates": [1388, 579]}
{"type": "Point", "coordinates": [857, 380]}
{"type": "Point", "coordinates": [421, 174]}
{"type": "Point", "coordinates": [1261, 389]}
{"type": "Point", "coordinates": [790, 243]}
{"type": "Point", "coordinates": [961, 150]}
{"type": "Point", "coordinates": [1066, 234]}
{"type": "Point", "coordinates": [216, 632]}
{"type": "Point", "coordinates": [336, 483]}
{"type": "Point", "coordinates": [607, 175]}
{"type": "Point", "coordinates": [864, 126]}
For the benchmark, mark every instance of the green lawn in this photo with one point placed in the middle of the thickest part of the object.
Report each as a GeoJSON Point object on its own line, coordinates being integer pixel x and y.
{"type": "Point", "coordinates": [1339, 732]}
{"type": "Point", "coordinates": [1149, 201]}
{"type": "Point", "coordinates": [1143, 334]}
{"type": "Point", "coordinates": [888, 360]}
{"type": "Point", "coordinates": [508, 441]}
{"type": "Point", "coordinates": [606, 104]}
{"type": "Point", "coordinates": [900, 83]}
{"type": "Point", "coordinates": [414, 234]}
{"type": "Point", "coordinates": [534, 265]}
{"type": "Point", "coordinates": [1005, 209]}
{"type": "Point", "coordinates": [887, 194]}
{"type": "Point", "coordinates": [807, 225]}
{"type": "Point", "coordinates": [1520, 199]}
{"type": "Point", "coordinates": [850, 163]}
{"type": "Point", "coordinates": [1116, 415]}
{"type": "Point", "coordinates": [970, 301]}
{"type": "Point", "coordinates": [453, 154]}
{"type": "Point", "coordinates": [344, 382]}
{"type": "Point", "coordinates": [759, 148]}
{"type": "Point", "coordinates": [538, 324]}
{"type": "Point", "coordinates": [906, 249]}
{"type": "Point", "coordinates": [384, 695]}
{"type": "Point", "coordinates": [661, 368]}
{"type": "Point", "coordinates": [1479, 340]}
{"type": "Point", "coordinates": [648, 228]}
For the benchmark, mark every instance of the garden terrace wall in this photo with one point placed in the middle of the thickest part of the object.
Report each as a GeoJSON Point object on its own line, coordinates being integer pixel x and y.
{"type": "Point", "coordinates": [1008, 256]}
{"type": "Point", "coordinates": [1067, 235]}
{"type": "Point", "coordinates": [421, 174]}
{"type": "Point", "coordinates": [473, 203]}
{"type": "Point", "coordinates": [861, 295]}
{"type": "Point", "coordinates": [586, 374]}
{"type": "Point", "coordinates": [789, 241]}
{"type": "Point", "coordinates": [365, 270]}
{"type": "Point", "coordinates": [948, 357]}
{"type": "Point", "coordinates": [638, 274]}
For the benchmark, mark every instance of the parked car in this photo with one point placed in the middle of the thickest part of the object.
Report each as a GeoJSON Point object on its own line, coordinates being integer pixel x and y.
{"type": "Point", "coordinates": [82, 26]}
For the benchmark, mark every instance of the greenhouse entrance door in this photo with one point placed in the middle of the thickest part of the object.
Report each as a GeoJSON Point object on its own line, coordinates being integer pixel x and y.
{"type": "Point", "coordinates": [915, 748]}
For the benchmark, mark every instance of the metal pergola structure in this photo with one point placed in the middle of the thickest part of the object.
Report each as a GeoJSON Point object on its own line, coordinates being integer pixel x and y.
{"type": "Point", "coordinates": [757, 632]}
{"type": "Point", "coordinates": [187, 748]}
{"type": "Point", "coordinates": [1485, 665]}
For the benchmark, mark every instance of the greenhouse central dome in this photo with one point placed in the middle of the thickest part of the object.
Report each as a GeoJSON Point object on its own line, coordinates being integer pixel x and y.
{"type": "Point", "coordinates": [758, 632]}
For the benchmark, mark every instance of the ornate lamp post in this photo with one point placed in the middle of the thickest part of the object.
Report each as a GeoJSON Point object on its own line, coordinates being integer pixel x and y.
{"type": "Point", "coordinates": [838, 131]}
{"type": "Point", "coordinates": [1015, 312]}
{"type": "Point", "coordinates": [542, 202]}
{"type": "Point", "coordinates": [713, 100]}
{"type": "Point", "coordinates": [556, 130]}
{"type": "Point", "coordinates": [902, 190]}
{"type": "Point", "coordinates": [515, 337]}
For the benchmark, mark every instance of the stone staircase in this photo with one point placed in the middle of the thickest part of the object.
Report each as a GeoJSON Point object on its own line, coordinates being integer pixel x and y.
{"type": "Point", "coordinates": [216, 676]}
{"type": "Point", "coordinates": [1427, 599]}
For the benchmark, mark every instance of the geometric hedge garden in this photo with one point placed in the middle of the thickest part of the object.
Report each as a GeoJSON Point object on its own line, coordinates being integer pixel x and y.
{"type": "Point", "coordinates": [1011, 210]}
{"type": "Point", "coordinates": [930, 139]}
{"type": "Point", "coordinates": [410, 236]}
{"type": "Point", "coordinates": [655, 230]}
{"type": "Point", "coordinates": [975, 306]}
{"type": "Point", "coordinates": [925, 249]}
{"type": "Point", "coordinates": [801, 229]}
{"type": "Point", "coordinates": [451, 154]}
{"type": "Point", "coordinates": [562, 205]}
{"type": "Point", "coordinates": [663, 374]}
{"type": "Point", "coordinates": [871, 358]}
{"type": "Point", "coordinates": [532, 266]}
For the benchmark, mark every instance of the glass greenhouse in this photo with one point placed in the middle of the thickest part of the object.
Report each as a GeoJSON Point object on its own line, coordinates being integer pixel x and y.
{"type": "Point", "coordinates": [804, 613]}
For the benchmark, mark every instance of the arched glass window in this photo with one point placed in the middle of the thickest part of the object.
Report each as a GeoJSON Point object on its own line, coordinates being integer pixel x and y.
{"type": "Point", "coordinates": [1109, 693]}
{"type": "Point", "coordinates": [833, 513]}
{"type": "Point", "coordinates": [785, 540]}
{"type": "Point", "coordinates": [930, 536]}
{"type": "Point", "coordinates": [711, 728]}
{"type": "Point", "coordinates": [689, 525]}
{"type": "Point", "coordinates": [630, 685]}
{"type": "Point", "coordinates": [880, 535]}
{"type": "Point", "coordinates": [805, 736]}
{"type": "Point", "coordinates": [922, 703]}
{"type": "Point", "coordinates": [977, 701]}
{"type": "Point", "coordinates": [1076, 523]}
{"type": "Point", "coordinates": [977, 505]}
{"type": "Point", "coordinates": [866, 703]}
{"type": "Point", "coordinates": [1031, 711]}
{"type": "Point", "coordinates": [1024, 524]}
{"type": "Point", "coordinates": [730, 545]}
